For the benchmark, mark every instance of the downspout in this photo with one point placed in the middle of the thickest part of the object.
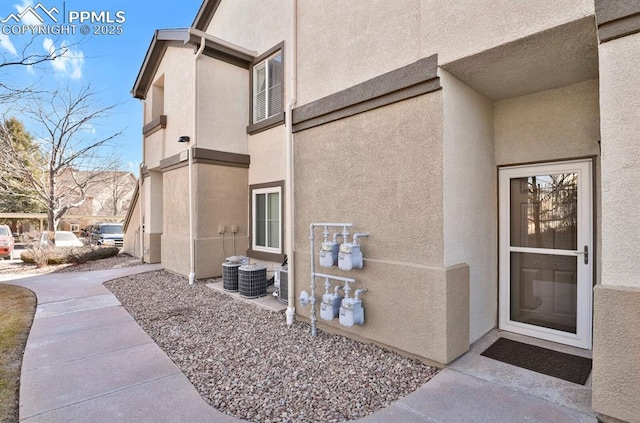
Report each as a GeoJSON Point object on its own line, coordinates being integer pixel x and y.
{"type": "Point", "coordinates": [192, 254]}
{"type": "Point", "coordinates": [291, 62]}
{"type": "Point", "coordinates": [140, 180]}
{"type": "Point", "coordinates": [140, 205]}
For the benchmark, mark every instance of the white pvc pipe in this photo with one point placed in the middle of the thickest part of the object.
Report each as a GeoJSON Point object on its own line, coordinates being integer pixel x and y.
{"type": "Point", "coordinates": [140, 205]}
{"type": "Point", "coordinates": [192, 258]}
{"type": "Point", "coordinates": [292, 91]}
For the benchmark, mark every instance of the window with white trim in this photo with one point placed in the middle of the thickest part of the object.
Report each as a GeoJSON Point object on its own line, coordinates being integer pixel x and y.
{"type": "Point", "coordinates": [267, 219]}
{"type": "Point", "coordinates": [267, 87]}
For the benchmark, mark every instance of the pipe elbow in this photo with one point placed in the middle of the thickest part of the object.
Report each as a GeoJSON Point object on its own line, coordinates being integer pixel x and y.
{"type": "Point", "coordinates": [359, 235]}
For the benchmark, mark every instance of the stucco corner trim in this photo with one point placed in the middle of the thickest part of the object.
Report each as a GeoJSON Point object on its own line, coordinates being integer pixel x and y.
{"type": "Point", "coordinates": [617, 19]}
{"type": "Point", "coordinates": [406, 82]}
{"type": "Point", "coordinates": [155, 125]}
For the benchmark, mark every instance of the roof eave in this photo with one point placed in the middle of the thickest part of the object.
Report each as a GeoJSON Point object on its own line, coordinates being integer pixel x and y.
{"type": "Point", "coordinates": [205, 14]}
{"type": "Point", "coordinates": [154, 54]}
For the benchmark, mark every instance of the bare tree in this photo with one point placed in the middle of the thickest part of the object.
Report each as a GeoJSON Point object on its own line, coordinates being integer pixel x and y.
{"type": "Point", "coordinates": [27, 56]}
{"type": "Point", "coordinates": [112, 196]}
{"type": "Point", "coordinates": [119, 189]}
{"type": "Point", "coordinates": [75, 157]}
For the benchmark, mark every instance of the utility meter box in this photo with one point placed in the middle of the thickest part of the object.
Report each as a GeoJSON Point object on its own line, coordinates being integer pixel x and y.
{"type": "Point", "coordinates": [330, 306]}
{"type": "Point", "coordinates": [329, 254]}
{"type": "Point", "coordinates": [351, 312]}
{"type": "Point", "coordinates": [350, 257]}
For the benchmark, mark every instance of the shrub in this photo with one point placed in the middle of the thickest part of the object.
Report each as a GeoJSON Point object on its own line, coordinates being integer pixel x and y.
{"type": "Point", "coordinates": [92, 254]}
{"type": "Point", "coordinates": [43, 255]}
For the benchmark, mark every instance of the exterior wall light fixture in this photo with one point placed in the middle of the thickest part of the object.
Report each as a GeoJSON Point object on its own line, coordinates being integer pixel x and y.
{"type": "Point", "coordinates": [184, 138]}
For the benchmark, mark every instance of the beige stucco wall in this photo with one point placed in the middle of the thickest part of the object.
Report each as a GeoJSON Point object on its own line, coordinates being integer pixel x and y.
{"type": "Point", "coordinates": [616, 380]}
{"type": "Point", "coordinates": [470, 197]}
{"type": "Point", "coordinates": [222, 200]}
{"type": "Point", "coordinates": [446, 25]}
{"type": "Point", "coordinates": [268, 162]}
{"type": "Point", "coordinates": [363, 38]}
{"type": "Point", "coordinates": [223, 106]}
{"type": "Point", "coordinates": [153, 207]}
{"type": "Point", "coordinates": [154, 149]}
{"type": "Point", "coordinates": [257, 26]}
{"type": "Point", "coordinates": [382, 171]}
{"type": "Point", "coordinates": [177, 69]}
{"type": "Point", "coordinates": [620, 108]}
{"type": "Point", "coordinates": [175, 234]}
{"type": "Point", "coordinates": [151, 201]}
{"type": "Point", "coordinates": [616, 348]}
{"type": "Point", "coordinates": [131, 244]}
{"type": "Point", "coordinates": [253, 24]}
{"type": "Point", "coordinates": [555, 124]}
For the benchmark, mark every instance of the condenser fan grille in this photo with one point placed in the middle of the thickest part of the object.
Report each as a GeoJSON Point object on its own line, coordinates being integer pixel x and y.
{"type": "Point", "coordinates": [252, 281]}
{"type": "Point", "coordinates": [230, 276]}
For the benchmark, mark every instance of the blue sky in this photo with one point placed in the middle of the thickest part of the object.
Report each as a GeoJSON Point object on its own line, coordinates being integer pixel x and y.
{"type": "Point", "coordinates": [110, 63]}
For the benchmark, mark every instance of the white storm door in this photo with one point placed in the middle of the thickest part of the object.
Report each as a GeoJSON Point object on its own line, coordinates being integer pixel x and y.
{"type": "Point", "coordinates": [546, 251]}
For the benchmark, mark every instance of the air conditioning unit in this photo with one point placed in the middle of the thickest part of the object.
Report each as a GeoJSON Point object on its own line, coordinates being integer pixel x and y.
{"type": "Point", "coordinates": [283, 291]}
{"type": "Point", "coordinates": [252, 280]}
{"type": "Point", "coordinates": [230, 276]}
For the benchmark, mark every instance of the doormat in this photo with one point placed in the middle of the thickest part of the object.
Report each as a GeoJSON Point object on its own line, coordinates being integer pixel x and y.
{"type": "Point", "coordinates": [542, 360]}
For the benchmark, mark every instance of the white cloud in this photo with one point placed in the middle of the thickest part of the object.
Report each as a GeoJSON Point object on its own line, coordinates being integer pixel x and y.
{"type": "Point", "coordinates": [133, 167]}
{"type": "Point", "coordinates": [89, 128]}
{"type": "Point", "coordinates": [68, 61]}
{"type": "Point", "coordinates": [7, 45]}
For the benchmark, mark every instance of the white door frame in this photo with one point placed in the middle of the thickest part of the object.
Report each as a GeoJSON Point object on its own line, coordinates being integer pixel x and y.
{"type": "Point", "coordinates": [583, 335]}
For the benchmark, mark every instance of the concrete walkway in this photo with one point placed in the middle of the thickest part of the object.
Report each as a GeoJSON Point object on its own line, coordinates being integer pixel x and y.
{"type": "Point", "coordinates": [87, 360]}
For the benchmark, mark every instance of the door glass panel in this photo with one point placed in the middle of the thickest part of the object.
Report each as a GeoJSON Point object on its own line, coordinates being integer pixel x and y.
{"type": "Point", "coordinates": [543, 211]}
{"type": "Point", "coordinates": [544, 291]}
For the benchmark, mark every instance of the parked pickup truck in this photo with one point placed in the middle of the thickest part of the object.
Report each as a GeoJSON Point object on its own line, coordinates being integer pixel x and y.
{"type": "Point", "coordinates": [107, 234]}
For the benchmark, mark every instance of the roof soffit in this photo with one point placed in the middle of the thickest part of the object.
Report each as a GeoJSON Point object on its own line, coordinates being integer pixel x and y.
{"type": "Point", "coordinates": [550, 59]}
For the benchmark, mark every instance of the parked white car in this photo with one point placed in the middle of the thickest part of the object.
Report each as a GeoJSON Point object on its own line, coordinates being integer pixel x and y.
{"type": "Point", "coordinates": [63, 239]}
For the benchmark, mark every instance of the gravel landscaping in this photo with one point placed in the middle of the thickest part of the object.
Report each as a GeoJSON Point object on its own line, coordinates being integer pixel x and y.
{"type": "Point", "coordinates": [246, 362]}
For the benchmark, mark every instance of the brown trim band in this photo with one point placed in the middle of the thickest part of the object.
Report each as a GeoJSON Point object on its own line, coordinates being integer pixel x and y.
{"type": "Point", "coordinates": [617, 19]}
{"type": "Point", "coordinates": [206, 156]}
{"type": "Point", "coordinates": [408, 81]}
{"type": "Point", "coordinates": [155, 125]}
{"type": "Point", "coordinates": [221, 158]}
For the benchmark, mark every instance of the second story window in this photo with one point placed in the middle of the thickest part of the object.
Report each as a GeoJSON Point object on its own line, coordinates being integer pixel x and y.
{"type": "Point", "coordinates": [267, 88]}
